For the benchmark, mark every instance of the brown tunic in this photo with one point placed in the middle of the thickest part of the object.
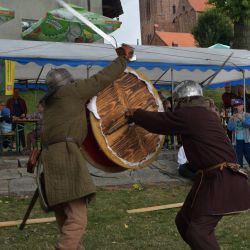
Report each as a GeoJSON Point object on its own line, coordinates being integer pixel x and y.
{"type": "Point", "coordinates": [206, 145]}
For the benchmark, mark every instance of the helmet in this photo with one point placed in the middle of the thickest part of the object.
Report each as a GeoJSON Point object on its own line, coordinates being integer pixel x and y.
{"type": "Point", "coordinates": [187, 88]}
{"type": "Point", "coordinates": [58, 77]}
{"type": "Point", "coordinates": [55, 79]}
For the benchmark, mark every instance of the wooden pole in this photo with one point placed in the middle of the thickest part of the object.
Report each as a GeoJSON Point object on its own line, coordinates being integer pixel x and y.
{"type": "Point", "coordinates": [30, 221]}
{"type": "Point", "coordinates": [155, 208]}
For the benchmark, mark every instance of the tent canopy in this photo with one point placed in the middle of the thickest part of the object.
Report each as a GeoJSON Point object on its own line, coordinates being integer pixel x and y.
{"type": "Point", "coordinates": [187, 63]}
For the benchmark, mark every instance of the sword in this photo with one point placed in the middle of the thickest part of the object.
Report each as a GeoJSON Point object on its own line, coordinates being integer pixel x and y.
{"type": "Point", "coordinates": [84, 20]}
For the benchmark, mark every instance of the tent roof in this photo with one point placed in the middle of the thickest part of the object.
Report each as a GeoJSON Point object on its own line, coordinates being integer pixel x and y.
{"type": "Point", "coordinates": [148, 57]}
{"type": "Point", "coordinates": [219, 46]}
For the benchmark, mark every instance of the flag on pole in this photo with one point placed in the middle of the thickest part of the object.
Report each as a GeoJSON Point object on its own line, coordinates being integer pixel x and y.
{"type": "Point", "coordinates": [9, 77]}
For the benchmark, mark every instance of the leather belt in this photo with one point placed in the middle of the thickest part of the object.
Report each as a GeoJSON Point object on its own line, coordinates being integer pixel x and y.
{"type": "Point", "coordinates": [221, 167]}
{"type": "Point", "coordinates": [46, 144]}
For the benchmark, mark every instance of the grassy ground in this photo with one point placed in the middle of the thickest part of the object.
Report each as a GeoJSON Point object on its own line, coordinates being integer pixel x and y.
{"type": "Point", "coordinates": [111, 228]}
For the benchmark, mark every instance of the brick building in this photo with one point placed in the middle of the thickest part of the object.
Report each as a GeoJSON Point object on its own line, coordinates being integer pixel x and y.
{"type": "Point", "coordinates": [161, 12]}
{"type": "Point", "coordinates": [187, 14]}
{"type": "Point", "coordinates": [158, 16]}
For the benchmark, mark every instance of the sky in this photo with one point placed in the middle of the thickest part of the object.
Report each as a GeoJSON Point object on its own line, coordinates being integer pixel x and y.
{"type": "Point", "coordinates": [129, 31]}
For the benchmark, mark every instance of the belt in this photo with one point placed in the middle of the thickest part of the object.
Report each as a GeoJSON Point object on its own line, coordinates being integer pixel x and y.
{"type": "Point", "coordinates": [46, 144]}
{"type": "Point", "coordinates": [221, 166]}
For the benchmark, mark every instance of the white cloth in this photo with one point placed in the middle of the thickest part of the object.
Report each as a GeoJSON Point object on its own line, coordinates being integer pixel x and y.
{"type": "Point", "coordinates": [181, 158]}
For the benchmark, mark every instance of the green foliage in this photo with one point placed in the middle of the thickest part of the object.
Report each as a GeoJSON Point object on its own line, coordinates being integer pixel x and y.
{"type": "Point", "coordinates": [235, 9]}
{"type": "Point", "coordinates": [213, 27]}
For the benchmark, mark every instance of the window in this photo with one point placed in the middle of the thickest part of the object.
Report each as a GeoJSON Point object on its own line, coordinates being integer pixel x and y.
{"type": "Point", "coordinates": [27, 23]}
{"type": "Point", "coordinates": [174, 9]}
{"type": "Point", "coordinates": [183, 8]}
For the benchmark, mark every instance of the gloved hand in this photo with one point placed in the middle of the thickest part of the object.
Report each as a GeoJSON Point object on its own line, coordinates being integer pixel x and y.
{"type": "Point", "coordinates": [129, 115]}
{"type": "Point", "coordinates": [125, 51]}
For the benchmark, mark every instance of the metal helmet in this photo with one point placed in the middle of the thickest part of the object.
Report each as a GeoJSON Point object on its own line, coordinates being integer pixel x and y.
{"type": "Point", "coordinates": [58, 77]}
{"type": "Point", "coordinates": [55, 79]}
{"type": "Point", "coordinates": [187, 88]}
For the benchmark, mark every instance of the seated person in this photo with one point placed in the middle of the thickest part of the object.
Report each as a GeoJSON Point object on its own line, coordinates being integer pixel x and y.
{"type": "Point", "coordinates": [18, 109]}
{"type": "Point", "coordinates": [5, 119]}
{"type": "Point", "coordinates": [5, 122]}
{"type": "Point", "coordinates": [184, 168]}
{"type": "Point", "coordinates": [35, 133]}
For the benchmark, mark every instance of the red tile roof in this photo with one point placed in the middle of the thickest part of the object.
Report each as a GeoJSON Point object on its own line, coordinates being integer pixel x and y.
{"type": "Point", "coordinates": [180, 39]}
{"type": "Point", "coordinates": [199, 5]}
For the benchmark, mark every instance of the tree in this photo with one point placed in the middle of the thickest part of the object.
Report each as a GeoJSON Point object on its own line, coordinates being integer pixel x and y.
{"type": "Point", "coordinates": [211, 28]}
{"type": "Point", "coordinates": [239, 13]}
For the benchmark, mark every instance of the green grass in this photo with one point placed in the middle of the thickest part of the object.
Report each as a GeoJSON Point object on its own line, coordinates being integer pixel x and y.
{"type": "Point", "coordinates": [111, 228]}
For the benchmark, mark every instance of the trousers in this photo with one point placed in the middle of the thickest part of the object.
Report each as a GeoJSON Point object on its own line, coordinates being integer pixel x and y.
{"type": "Point", "coordinates": [198, 232]}
{"type": "Point", "coordinates": [71, 218]}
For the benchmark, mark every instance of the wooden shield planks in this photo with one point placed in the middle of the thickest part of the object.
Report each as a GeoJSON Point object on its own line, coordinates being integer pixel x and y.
{"type": "Point", "coordinates": [130, 147]}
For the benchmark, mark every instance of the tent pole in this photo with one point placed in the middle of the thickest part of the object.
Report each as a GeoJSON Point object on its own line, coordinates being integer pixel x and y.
{"type": "Point", "coordinates": [172, 88]}
{"type": "Point", "coordinates": [244, 89]}
{"type": "Point", "coordinates": [88, 68]}
{"type": "Point", "coordinates": [172, 101]}
{"type": "Point", "coordinates": [161, 76]}
{"type": "Point", "coordinates": [37, 79]}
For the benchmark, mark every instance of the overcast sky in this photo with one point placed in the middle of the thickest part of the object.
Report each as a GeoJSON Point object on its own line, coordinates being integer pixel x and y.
{"type": "Point", "coordinates": [130, 28]}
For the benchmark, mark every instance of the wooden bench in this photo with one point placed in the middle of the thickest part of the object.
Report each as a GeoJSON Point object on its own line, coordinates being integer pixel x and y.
{"type": "Point", "coordinates": [9, 137]}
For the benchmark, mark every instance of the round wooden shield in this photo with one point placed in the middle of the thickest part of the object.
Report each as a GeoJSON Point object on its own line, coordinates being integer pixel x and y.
{"type": "Point", "coordinates": [127, 146]}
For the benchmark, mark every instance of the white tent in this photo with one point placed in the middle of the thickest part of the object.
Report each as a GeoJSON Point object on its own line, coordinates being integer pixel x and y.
{"type": "Point", "coordinates": [83, 60]}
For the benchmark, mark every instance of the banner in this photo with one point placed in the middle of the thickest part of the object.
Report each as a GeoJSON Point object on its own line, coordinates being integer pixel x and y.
{"type": "Point", "coordinates": [2, 77]}
{"type": "Point", "coordinates": [9, 77]}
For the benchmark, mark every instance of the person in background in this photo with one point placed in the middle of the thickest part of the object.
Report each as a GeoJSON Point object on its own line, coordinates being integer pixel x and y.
{"type": "Point", "coordinates": [227, 98]}
{"type": "Point", "coordinates": [240, 95]}
{"type": "Point", "coordinates": [18, 109]}
{"type": "Point", "coordinates": [5, 123]}
{"type": "Point", "coordinates": [35, 133]}
{"type": "Point", "coordinates": [239, 124]}
{"type": "Point", "coordinates": [5, 118]}
{"type": "Point", "coordinates": [184, 167]}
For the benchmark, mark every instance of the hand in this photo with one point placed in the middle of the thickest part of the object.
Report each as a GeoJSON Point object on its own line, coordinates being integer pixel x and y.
{"type": "Point", "coordinates": [129, 115]}
{"type": "Point", "coordinates": [125, 51]}
{"type": "Point", "coordinates": [238, 116]}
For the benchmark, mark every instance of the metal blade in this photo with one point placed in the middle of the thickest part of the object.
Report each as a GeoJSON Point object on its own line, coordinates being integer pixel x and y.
{"type": "Point", "coordinates": [83, 19]}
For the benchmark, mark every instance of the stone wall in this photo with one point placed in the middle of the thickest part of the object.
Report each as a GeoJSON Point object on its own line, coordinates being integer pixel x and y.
{"type": "Point", "coordinates": [15, 181]}
{"type": "Point", "coordinates": [186, 17]}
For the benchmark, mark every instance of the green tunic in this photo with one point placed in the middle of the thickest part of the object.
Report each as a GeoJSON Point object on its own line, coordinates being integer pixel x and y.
{"type": "Point", "coordinates": [65, 171]}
